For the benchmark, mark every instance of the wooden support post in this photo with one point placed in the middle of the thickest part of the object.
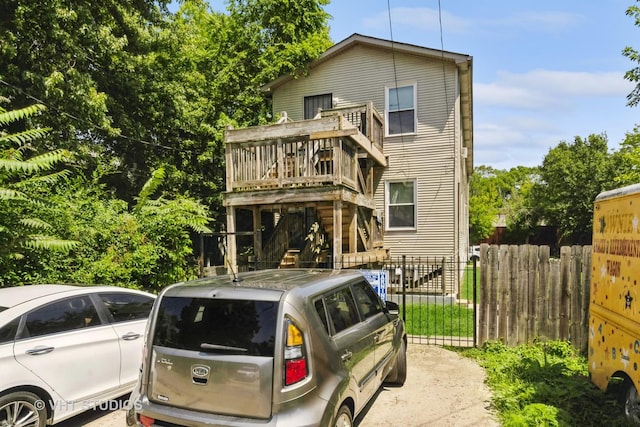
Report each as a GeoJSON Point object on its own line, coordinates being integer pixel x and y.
{"type": "Point", "coordinates": [353, 229]}
{"type": "Point", "coordinates": [257, 233]}
{"type": "Point", "coordinates": [231, 257]}
{"type": "Point", "coordinates": [337, 233]}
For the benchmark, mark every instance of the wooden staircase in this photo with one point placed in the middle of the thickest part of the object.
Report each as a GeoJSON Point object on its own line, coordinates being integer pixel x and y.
{"type": "Point", "coordinates": [325, 217]}
{"type": "Point", "coordinates": [290, 259]}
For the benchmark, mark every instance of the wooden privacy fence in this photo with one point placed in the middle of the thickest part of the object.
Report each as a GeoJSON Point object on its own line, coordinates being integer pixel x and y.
{"type": "Point", "coordinates": [525, 294]}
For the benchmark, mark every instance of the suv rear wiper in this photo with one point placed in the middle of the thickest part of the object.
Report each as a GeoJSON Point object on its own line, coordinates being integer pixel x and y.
{"type": "Point", "coordinates": [207, 346]}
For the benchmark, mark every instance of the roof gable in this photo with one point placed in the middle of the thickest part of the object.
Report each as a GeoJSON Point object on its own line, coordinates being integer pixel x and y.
{"type": "Point", "coordinates": [358, 39]}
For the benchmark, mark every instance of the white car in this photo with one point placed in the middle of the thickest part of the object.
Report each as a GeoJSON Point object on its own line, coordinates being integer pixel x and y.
{"type": "Point", "coordinates": [474, 253]}
{"type": "Point", "coordinates": [66, 349]}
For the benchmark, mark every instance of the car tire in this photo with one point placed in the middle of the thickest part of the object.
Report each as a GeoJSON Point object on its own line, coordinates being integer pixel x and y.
{"type": "Point", "coordinates": [24, 406]}
{"type": "Point", "coordinates": [631, 401]}
{"type": "Point", "coordinates": [398, 374]}
{"type": "Point", "coordinates": [344, 418]}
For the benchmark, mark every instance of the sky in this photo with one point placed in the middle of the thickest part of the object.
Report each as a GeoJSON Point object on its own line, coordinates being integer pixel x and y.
{"type": "Point", "coordinates": [543, 71]}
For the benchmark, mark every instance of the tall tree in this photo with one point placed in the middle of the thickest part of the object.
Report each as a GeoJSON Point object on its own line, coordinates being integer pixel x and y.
{"type": "Point", "coordinates": [135, 85]}
{"type": "Point", "coordinates": [92, 64]}
{"type": "Point", "coordinates": [572, 175]}
{"type": "Point", "coordinates": [633, 75]}
{"type": "Point", "coordinates": [496, 193]}
{"type": "Point", "coordinates": [485, 203]}
{"type": "Point", "coordinates": [627, 160]}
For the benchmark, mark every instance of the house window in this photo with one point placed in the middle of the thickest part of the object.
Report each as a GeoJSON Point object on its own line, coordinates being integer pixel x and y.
{"type": "Point", "coordinates": [401, 205]}
{"type": "Point", "coordinates": [401, 109]}
{"type": "Point", "coordinates": [313, 103]}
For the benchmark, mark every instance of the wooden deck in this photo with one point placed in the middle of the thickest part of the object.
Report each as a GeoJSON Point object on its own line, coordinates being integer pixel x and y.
{"type": "Point", "coordinates": [311, 153]}
{"type": "Point", "coordinates": [327, 164]}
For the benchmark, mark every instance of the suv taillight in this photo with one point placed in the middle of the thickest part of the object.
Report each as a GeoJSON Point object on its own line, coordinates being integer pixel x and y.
{"type": "Point", "coordinates": [295, 360]}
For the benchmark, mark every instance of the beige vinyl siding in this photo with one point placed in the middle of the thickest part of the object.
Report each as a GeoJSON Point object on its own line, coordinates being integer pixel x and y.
{"type": "Point", "coordinates": [359, 75]}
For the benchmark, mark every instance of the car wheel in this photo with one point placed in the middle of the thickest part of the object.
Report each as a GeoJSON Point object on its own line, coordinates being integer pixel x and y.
{"type": "Point", "coordinates": [344, 417]}
{"type": "Point", "coordinates": [22, 409]}
{"type": "Point", "coordinates": [398, 374]}
{"type": "Point", "coordinates": [631, 402]}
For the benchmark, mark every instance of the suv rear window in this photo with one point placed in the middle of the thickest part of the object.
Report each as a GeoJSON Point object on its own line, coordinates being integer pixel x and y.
{"type": "Point", "coordinates": [215, 325]}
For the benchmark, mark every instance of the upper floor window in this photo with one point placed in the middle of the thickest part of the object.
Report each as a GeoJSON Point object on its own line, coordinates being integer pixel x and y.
{"type": "Point", "coordinates": [401, 109]}
{"type": "Point", "coordinates": [401, 205]}
{"type": "Point", "coordinates": [317, 102]}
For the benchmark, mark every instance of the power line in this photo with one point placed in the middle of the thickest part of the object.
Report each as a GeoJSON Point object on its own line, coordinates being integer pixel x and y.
{"type": "Point", "coordinates": [92, 125]}
{"type": "Point", "coordinates": [395, 80]}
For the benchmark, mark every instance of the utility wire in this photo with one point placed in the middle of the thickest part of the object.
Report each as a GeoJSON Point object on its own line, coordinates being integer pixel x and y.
{"type": "Point", "coordinates": [91, 125]}
{"type": "Point", "coordinates": [395, 80]}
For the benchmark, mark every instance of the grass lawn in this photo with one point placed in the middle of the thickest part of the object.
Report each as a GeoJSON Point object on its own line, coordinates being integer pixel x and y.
{"type": "Point", "coordinates": [466, 290]}
{"type": "Point", "coordinates": [437, 319]}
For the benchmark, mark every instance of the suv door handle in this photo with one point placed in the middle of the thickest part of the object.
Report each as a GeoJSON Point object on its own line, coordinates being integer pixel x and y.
{"type": "Point", "coordinates": [39, 350]}
{"type": "Point", "coordinates": [130, 336]}
{"type": "Point", "coordinates": [346, 356]}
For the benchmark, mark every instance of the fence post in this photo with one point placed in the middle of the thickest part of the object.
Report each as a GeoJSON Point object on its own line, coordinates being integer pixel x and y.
{"type": "Point", "coordinates": [475, 304]}
{"type": "Point", "coordinates": [404, 290]}
{"type": "Point", "coordinates": [443, 282]}
{"type": "Point", "coordinates": [493, 295]}
{"type": "Point", "coordinates": [513, 295]}
{"type": "Point", "coordinates": [565, 295]}
{"type": "Point", "coordinates": [484, 293]}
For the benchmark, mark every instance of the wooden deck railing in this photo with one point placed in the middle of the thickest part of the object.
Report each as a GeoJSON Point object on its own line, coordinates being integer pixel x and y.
{"type": "Point", "coordinates": [299, 163]}
{"type": "Point", "coordinates": [366, 118]}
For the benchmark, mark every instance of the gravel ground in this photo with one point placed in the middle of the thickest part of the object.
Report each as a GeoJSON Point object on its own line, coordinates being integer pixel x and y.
{"type": "Point", "coordinates": [442, 389]}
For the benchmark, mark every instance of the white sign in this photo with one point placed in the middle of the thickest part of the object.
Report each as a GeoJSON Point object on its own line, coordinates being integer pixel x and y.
{"type": "Point", "coordinates": [378, 280]}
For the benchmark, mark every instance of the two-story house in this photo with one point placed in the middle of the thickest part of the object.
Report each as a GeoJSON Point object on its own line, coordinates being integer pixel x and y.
{"type": "Point", "coordinates": [370, 158]}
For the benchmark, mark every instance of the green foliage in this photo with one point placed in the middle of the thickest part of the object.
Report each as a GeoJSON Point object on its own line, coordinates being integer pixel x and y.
{"type": "Point", "coordinates": [137, 87]}
{"type": "Point", "coordinates": [148, 246]}
{"type": "Point", "coordinates": [484, 205]}
{"type": "Point", "coordinates": [571, 176]}
{"type": "Point", "coordinates": [626, 161]}
{"type": "Point", "coordinates": [493, 192]}
{"type": "Point", "coordinates": [21, 177]}
{"type": "Point", "coordinates": [633, 75]}
{"type": "Point", "coordinates": [134, 91]}
{"type": "Point", "coordinates": [544, 384]}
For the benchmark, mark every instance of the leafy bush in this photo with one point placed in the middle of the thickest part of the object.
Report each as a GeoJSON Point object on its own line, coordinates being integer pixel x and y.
{"type": "Point", "coordinates": [147, 247]}
{"type": "Point", "coordinates": [544, 384]}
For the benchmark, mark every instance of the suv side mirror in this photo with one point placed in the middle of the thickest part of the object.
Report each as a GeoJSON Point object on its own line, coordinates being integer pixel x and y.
{"type": "Point", "coordinates": [392, 307]}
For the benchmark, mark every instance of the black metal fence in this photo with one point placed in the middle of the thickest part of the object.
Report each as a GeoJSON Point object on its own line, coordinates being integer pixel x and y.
{"type": "Point", "coordinates": [437, 295]}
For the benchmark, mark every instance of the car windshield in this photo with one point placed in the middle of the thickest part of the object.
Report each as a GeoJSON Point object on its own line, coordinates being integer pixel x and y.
{"type": "Point", "coordinates": [203, 324]}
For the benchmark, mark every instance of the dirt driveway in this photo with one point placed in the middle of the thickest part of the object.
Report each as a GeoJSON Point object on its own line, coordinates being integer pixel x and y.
{"type": "Point", "coordinates": [442, 389]}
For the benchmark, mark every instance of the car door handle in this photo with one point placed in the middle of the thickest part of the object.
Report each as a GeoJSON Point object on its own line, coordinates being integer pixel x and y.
{"type": "Point", "coordinates": [346, 356]}
{"type": "Point", "coordinates": [130, 336]}
{"type": "Point", "coordinates": [39, 350]}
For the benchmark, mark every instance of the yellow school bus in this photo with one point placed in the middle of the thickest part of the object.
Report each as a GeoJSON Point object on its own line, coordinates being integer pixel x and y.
{"type": "Point", "coordinates": [614, 309]}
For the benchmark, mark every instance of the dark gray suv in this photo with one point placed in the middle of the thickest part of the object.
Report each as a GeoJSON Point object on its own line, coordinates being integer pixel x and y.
{"type": "Point", "coordinates": [268, 348]}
